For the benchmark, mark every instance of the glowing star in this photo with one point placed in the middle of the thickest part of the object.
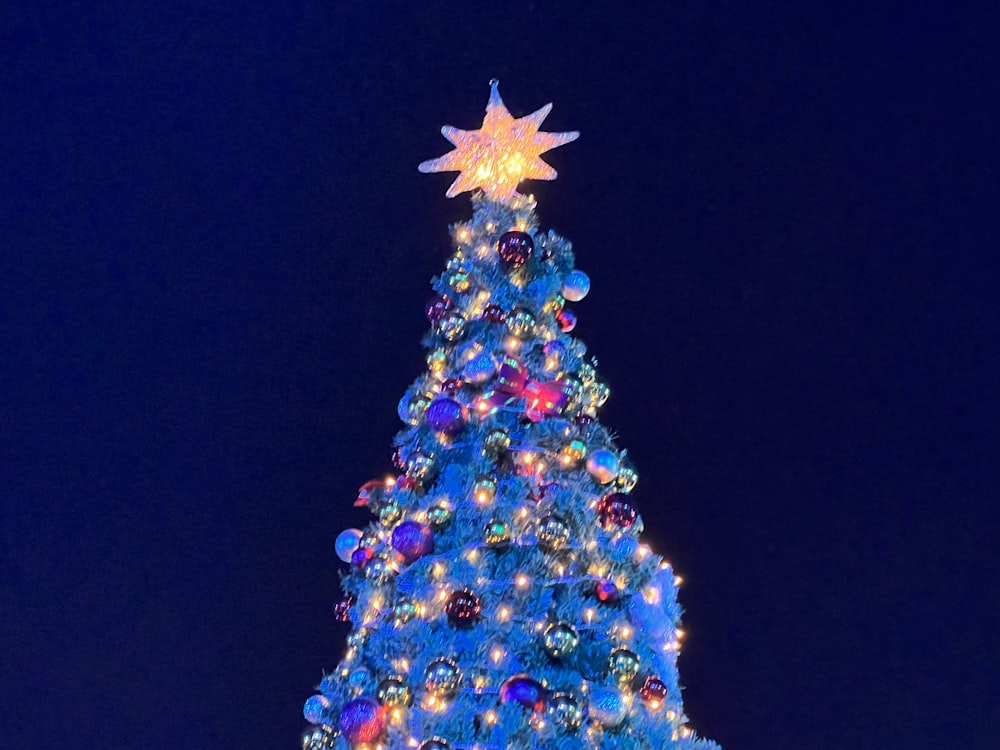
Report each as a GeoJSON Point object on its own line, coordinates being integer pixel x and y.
{"type": "Point", "coordinates": [502, 153]}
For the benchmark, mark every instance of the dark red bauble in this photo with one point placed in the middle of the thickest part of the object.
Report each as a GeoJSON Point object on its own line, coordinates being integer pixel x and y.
{"type": "Point", "coordinates": [446, 415]}
{"type": "Point", "coordinates": [452, 386]}
{"type": "Point", "coordinates": [515, 248]}
{"type": "Point", "coordinates": [566, 320]}
{"type": "Point", "coordinates": [462, 608]}
{"type": "Point", "coordinates": [606, 592]}
{"type": "Point", "coordinates": [616, 512]}
{"type": "Point", "coordinates": [525, 690]}
{"type": "Point", "coordinates": [342, 609]}
{"type": "Point", "coordinates": [412, 540]}
{"type": "Point", "coordinates": [362, 720]}
{"type": "Point", "coordinates": [361, 556]}
{"type": "Point", "coordinates": [494, 314]}
{"type": "Point", "coordinates": [653, 690]}
{"type": "Point", "coordinates": [437, 307]}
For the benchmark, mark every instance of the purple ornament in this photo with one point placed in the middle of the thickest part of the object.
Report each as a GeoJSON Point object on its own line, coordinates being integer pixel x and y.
{"type": "Point", "coordinates": [566, 320]}
{"type": "Point", "coordinates": [525, 690]}
{"type": "Point", "coordinates": [437, 307]}
{"type": "Point", "coordinates": [412, 540]}
{"type": "Point", "coordinates": [515, 248]}
{"type": "Point", "coordinates": [361, 556]}
{"type": "Point", "coordinates": [362, 720]}
{"type": "Point", "coordinates": [445, 415]}
{"type": "Point", "coordinates": [607, 592]}
{"type": "Point", "coordinates": [615, 511]}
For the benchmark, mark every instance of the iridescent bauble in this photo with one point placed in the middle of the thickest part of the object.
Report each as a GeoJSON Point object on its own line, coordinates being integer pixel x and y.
{"type": "Point", "coordinates": [348, 540]}
{"type": "Point", "coordinates": [404, 611]}
{"type": "Point", "coordinates": [318, 738]}
{"type": "Point", "coordinates": [616, 512]}
{"type": "Point", "coordinates": [566, 320]}
{"type": "Point", "coordinates": [462, 608]}
{"type": "Point", "coordinates": [393, 692]}
{"type": "Point", "coordinates": [624, 665]}
{"type": "Point", "coordinates": [608, 707]}
{"type": "Point", "coordinates": [442, 677]}
{"type": "Point", "coordinates": [439, 515]}
{"type": "Point", "coordinates": [314, 708]}
{"type": "Point", "coordinates": [626, 479]}
{"type": "Point", "coordinates": [496, 533]}
{"type": "Point", "coordinates": [521, 323]}
{"type": "Point", "coordinates": [494, 314]}
{"type": "Point", "coordinates": [572, 453]}
{"type": "Point", "coordinates": [553, 533]}
{"type": "Point", "coordinates": [362, 720]}
{"type": "Point", "coordinates": [361, 556]}
{"type": "Point", "coordinates": [342, 609]}
{"type": "Point", "coordinates": [653, 691]}
{"type": "Point", "coordinates": [378, 570]}
{"type": "Point", "coordinates": [576, 286]}
{"type": "Point", "coordinates": [412, 540]}
{"type": "Point", "coordinates": [437, 307]}
{"type": "Point", "coordinates": [389, 513]}
{"type": "Point", "coordinates": [419, 466]}
{"type": "Point", "coordinates": [566, 711]}
{"type": "Point", "coordinates": [514, 248]}
{"type": "Point", "coordinates": [560, 640]}
{"type": "Point", "coordinates": [452, 325]}
{"type": "Point", "coordinates": [606, 592]}
{"type": "Point", "coordinates": [524, 690]}
{"type": "Point", "coordinates": [603, 465]}
{"type": "Point", "coordinates": [496, 441]}
{"type": "Point", "coordinates": [480, 368]}
{"type": "Point", "coordinates": [436, 743]}
{"type": "Point", "coordinates": [416, 405]}
{"type": "Point", "coordinates": [484, 489]}
{"type": "Point", "coordinates": [446, 415]}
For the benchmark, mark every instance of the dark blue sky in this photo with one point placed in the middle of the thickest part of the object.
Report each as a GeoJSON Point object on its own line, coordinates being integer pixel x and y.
{"type": "Point", "coordinates": [215, 253]}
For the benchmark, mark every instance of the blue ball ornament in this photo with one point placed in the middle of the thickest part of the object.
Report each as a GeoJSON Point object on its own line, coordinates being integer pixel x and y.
{"type": "Point", "coordinates": [576, 286]}
{"type": "Point", "coordinates": [412, 540]}
{"type": "Point", "coordinates": [524, 690]}
{"type": "Point", "coordinates": [314, 708]}
{"type": "Point", "coordinates": [480, 368]}
{"type": "Point", "coordinates": [608, 707]}
{"type": "Point", "coordinates": [603, 465]}
{"type": "Point", "coordinates": [362, 720]}
{"type": "Point", "coordinates": [445, 415]}
{"type": "Point", "coordinates": [347, 541]}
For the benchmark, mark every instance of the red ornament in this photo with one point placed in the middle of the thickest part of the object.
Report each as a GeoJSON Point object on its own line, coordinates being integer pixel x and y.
{"type": "Point", "coordinates": [361, 556]}
{"type": "Point", "coordinates": [653, 691]}
{"type": "Point", "coordinates": [606, 592]}
{"type": "Point", "coordinates": [494, 314]}
{"type": "Point", "coordinates": [566, 320]}
{"type": "Point", "coordinates": [342, 609]}
{"type": "Point", "coordinates": [615, 511]}
{"type": "Point", "coordinates": [463, 609]}
{"type": "Point", "coordinates": [437, 308]}
{"type": "Point", "coordinates": [362, 720]}
{"type": "Point", "coordinates": [514, 248]}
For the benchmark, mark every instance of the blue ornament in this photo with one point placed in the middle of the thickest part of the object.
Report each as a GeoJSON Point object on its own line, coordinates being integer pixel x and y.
{"type": "Point", "coordinates": [347, 541]}
{"type": "Point", "coordinates": [412, 540]}
{"type": "Point", "coordinates": [576, 286]}
{"type": "Point", "coordinates": [445, 415]}
{"type": "Point", "coordinates": [603, 465]}
{"type": "Point", "coordinates": [362, 720]}
{"type": "Point", "coordinates": [608, 707]}
{"type": "Point", "coordinates": [314, 708]}
{"type": "Point", "coordinates": [480, 368]}
{"type": "Point", "coordinates": [524, 690]}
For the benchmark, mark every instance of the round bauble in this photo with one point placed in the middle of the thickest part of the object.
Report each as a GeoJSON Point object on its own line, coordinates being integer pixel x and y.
{"type": "Point", "coordinates": [494, 314]}
{"type": "Point", "coordinates": [653, 691]}
{"type": "Point", "coordinates": [566, 320]}
{"type": "Point", "coordinates": [497, 533]}
{"type": "Point", "coordinates": [624, 665]}
{"type": "Point", "coordinates": [436, 743]}
{"type": "Point", "coordinates": [462, 608]}
{"type": "Point", "coordinates": [378, 570]}
{"type": "Point", "coordinates": [525, 691]}
{"type": "Point", "coordinates": [521, 323]}
{"type": "Point", "coordinates": [566, 711]}
{"type": "Point", "coordinates": [606, 592]}
{"type": "Point", "coordinates": [348, 540]}
{"type": "Point", "coordinates": [576, 286]}
{"type": "Point", "coordinates": [437, 307]}
{"type": "Point", "coordinates": [419, 466]}
{"type": "Point", "coordinates": [362, 720]}
{"type": "Point", "coordinates": [412, 540]}
{"type": "Point", "coordinates": [446, 415]}
{"type": "Point", "coordinates": [342, 609]}
{"type": "Point", "coordinates": [514, 248]}
{"type": "Point", "coordinates": [439, 515]}
{"type": "Point", "coordinates": [603, 465]}
{"type": "Point", "coordinates": [437, 360]}
{"type": "Point", "coordinates": [389, 513]}
{"type": "Point", "coordinates": [616, 512]}
{"type": "Point", "coordinates": [318, 738]}
{"type": "Point", "coordinates": [626, 479]}
{"type": "Point", "coordinates": [496, 441]}
{"type": "Point", "coordinates": [553, 533]}
{"type": "Point", "coordinates": [393, 692]}
{"type": "Point", "coordinates": [608, 707]}
{"type": "Point", "coordinates": [404, 611]}
{"type": "Point", "coordinates": [452, 325]}
{"type": "Point", "coordinates": [560, 640]}
{"type": "Point", "coordinates": [442, 677]}
{"type": "Point", "coordinates": [574, 452]}
{"type": "Point", "coordinates": [314, 708]}
{"type": "Point", "coordinates": [361, 556]}
{"type": "Point", "coordinates": [480, 368]}
{"type": "Point", "coordinates": [484, 490]}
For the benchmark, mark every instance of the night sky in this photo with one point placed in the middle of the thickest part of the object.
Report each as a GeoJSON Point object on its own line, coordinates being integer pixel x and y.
{"type": "Point", "coordinates": [215, 249]}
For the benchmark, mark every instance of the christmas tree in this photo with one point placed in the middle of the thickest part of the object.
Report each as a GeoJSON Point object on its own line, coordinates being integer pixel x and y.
{"type": "Point", "coordinates": [501, 599]}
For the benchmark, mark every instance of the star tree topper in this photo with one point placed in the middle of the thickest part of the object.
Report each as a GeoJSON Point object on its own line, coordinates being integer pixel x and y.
{"type": "Point", "coordinates": [502, 153]}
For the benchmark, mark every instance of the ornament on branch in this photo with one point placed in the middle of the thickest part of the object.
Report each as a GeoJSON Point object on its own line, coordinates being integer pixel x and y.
{"type": "Point", "coordinates": [525, 691]}
{"type": "Point", "coordinates": [462, 609]}
{"type": "Point", "coordinates": [362, 720]}
{"type": "Point", "coordinates": [412, 540]}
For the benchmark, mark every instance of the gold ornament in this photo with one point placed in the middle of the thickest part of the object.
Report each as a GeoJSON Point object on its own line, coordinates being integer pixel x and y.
{"type": "Point", "coordinates": [437, 360]}
{"type": "Point", "coordinates": [496, 533]}
{"type": "Point", "coordinates": [484, 490]}
{"type": "Point", "coordinates": [573, 453]}
{"type": "Point", "coordinates": [624, 665]}
{"type": "Point", "coordinates": [500, 154]}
